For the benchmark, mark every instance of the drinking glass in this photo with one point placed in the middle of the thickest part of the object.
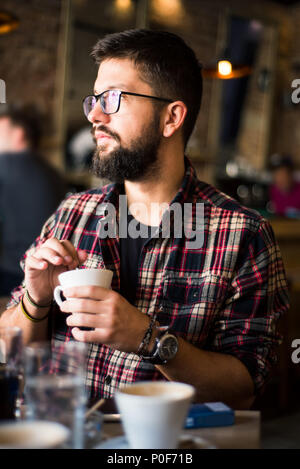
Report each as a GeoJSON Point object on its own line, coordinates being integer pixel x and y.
{"type": "Point", "coordinates": [11, 371]}
{"type": "Point", "coordinates": [55, 386]}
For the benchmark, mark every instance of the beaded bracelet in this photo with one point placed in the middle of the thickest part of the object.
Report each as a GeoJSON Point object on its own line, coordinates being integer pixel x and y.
{"type": "Point", "coordinates": [35, 304]}
{"type": "Point", "coordinates": [28, 316]}
{"type": "Point", "coordinates": [143, 348]}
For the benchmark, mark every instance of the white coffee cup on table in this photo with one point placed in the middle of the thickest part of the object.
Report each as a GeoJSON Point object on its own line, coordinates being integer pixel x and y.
{"type": "Point", "coordinates": [153, 413]}
{"type": "Point", "coordinates": [82, 277]}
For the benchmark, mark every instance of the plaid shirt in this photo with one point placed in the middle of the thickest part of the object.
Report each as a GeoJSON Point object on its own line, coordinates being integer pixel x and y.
{"type": "Point", "coordinates": [225, 296]}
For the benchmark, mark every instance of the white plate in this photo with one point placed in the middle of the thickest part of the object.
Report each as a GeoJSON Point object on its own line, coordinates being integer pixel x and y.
{"type": "Point", "coordinates": [32, 434]}
{"type": "Point", "coordinates": [185, 442]}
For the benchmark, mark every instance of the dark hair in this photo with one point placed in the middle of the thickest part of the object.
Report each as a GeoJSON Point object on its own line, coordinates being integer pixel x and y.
{"type": "Point", "coordinates": [281, 161]}
{"type": "Point", "coordinates": [28, 119]}
{"type": "Point", "coordinates": [165, 62]}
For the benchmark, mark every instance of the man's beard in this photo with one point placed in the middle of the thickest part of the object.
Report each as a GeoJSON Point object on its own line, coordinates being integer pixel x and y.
{"type": "Point", "coordinates": [135, 163]}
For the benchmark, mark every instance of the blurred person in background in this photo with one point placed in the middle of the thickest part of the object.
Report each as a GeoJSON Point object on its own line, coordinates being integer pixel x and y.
{"type": "Point", "coordinates": [285, 189]}
{"type": "Point", "coordinates": [30, 189]}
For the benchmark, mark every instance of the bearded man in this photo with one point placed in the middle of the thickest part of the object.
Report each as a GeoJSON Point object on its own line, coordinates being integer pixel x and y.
{"type": "Point", "coordinates": [203, 314]}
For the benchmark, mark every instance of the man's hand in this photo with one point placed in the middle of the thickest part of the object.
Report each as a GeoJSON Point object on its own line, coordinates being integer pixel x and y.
{"type": "Point", "coordinates": [116, 322]}
{"type": "Point", "coordinates": [44, 266]}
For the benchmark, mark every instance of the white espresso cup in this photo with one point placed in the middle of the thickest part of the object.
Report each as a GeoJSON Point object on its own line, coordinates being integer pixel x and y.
{"type": "Point", "coordinates": [82, 277]}
{"type": "Point", "coordinates": [153, 413]}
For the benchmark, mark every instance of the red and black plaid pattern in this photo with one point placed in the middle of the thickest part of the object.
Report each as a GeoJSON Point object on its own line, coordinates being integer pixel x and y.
{"type": "Point", "coordinates": [225, 296]}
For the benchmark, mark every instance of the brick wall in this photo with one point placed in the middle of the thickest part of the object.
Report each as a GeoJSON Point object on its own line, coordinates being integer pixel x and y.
{"type": "Point", "coordinates": [28, 58]}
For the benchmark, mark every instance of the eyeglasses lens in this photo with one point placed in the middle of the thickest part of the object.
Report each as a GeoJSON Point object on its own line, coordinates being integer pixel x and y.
{"type": "Point", "coordinates": [88, 104]}
{"type": "Point", "coordinates": [109, 101]}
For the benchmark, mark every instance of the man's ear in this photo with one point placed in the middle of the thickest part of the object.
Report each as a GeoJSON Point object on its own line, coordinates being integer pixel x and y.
{"type": "Point", "coordinates": [174, 117]}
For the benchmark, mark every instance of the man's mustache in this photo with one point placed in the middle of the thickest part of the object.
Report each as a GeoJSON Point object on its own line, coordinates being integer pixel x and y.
{"type": "Point", "coordinates": [102, 128]}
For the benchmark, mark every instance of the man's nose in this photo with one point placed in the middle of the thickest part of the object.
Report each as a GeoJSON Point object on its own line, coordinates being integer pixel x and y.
{"type": "Point", "coordinates": [97, 115]}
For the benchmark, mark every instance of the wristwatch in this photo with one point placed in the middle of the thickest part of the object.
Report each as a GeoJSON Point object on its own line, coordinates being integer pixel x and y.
{"type": "Point", "coordinates": [165, 348]}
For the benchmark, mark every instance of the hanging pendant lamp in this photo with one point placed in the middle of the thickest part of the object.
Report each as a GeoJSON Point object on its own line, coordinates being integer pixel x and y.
{"type": "Point", "coordinates": [8, 22]}
{"type": "Point", "coordinates": [224, 69]}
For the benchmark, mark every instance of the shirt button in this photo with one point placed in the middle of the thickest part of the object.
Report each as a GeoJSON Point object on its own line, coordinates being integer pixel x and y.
{"type": "Point", "coordinates": [108, 379]}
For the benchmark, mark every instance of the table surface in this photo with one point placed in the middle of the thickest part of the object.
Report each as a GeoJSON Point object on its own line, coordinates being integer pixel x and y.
{"type": "Point", "coordinates": [244, 434]}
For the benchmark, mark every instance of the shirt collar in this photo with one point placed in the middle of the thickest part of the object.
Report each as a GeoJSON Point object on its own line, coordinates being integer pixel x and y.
{"type": "Point", "coordinates": [183, 194]}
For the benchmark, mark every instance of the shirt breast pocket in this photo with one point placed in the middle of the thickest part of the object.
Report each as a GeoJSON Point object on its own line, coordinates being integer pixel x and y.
{"type": "Point", "coordinates": [190, 304]}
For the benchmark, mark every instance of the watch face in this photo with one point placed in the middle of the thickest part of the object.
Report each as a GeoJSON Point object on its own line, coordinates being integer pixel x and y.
{"type": "Point", "coordinates": [168, 347]}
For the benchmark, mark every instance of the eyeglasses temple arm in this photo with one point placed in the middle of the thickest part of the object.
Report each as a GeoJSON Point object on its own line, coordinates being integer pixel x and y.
{"type": "Point", "coordinates": [147, 96]}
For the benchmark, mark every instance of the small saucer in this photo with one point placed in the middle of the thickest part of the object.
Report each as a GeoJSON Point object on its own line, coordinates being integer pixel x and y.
{"type": "Point", "coordinates": [186, 441]}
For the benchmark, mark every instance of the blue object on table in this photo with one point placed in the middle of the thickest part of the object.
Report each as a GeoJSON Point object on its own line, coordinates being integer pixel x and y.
{"type": "Point", "coordinates": [210, 414]}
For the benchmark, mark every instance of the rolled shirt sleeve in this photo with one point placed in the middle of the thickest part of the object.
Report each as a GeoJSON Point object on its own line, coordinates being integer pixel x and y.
{"type": "Point", "coordinates": [246, 326]}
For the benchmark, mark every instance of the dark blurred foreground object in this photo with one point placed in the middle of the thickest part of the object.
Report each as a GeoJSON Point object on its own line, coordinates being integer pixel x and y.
{"type": "Point", "coordinates": [30, 190]}
{"type": "Point", "coordinates": [285, 190]}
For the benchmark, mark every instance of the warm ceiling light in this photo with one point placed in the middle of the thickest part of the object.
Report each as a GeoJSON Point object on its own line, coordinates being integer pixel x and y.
{"type": "Point", "coordinates": [236, 72]}
{"type": "Point", "coordinates": [8, 22]}
{"type": "Point", "coordinates": [224, 67]}
{"type": "Point", "coordinates": [168, 7]}
{"type": "Point", "coordinates": [123, 4]}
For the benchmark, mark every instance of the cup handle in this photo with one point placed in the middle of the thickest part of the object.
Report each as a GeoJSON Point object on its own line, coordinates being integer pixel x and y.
{"type": "Point", "coordinates": [57, 293]}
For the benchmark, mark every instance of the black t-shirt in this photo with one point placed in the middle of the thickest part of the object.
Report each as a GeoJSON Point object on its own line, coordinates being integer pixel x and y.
{"type": "Point", "coordinates": [130, 250]}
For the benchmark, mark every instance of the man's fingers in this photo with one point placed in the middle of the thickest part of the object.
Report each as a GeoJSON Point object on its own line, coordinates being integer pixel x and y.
{"type": "Point", "coordinates": [49, 255]}
{"type": "Point", "coordinates": [81, 320]}
{"type": "Point", "coordinates": [65, 250]}
{"type": "Point", "coordinates": [71, 251]}
{"type": "Point", "coordinates": [81, 306]}
{"type": "Point", "coordinates": [62, 248]}
{"type": "Point", "coordinates": [82, 256]}
{"type": "Point", "coordinates": [57, 253]}
{"type": "Point", "coordinates": [87, 320]}
{"type": "Point", "coordinates": [36, 264]}
{"type": "Point", "coordinates": [87, 336]}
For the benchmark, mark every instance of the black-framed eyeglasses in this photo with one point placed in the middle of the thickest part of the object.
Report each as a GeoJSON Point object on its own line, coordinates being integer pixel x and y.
{"type": "Point", "coordinates": [110, 101]}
